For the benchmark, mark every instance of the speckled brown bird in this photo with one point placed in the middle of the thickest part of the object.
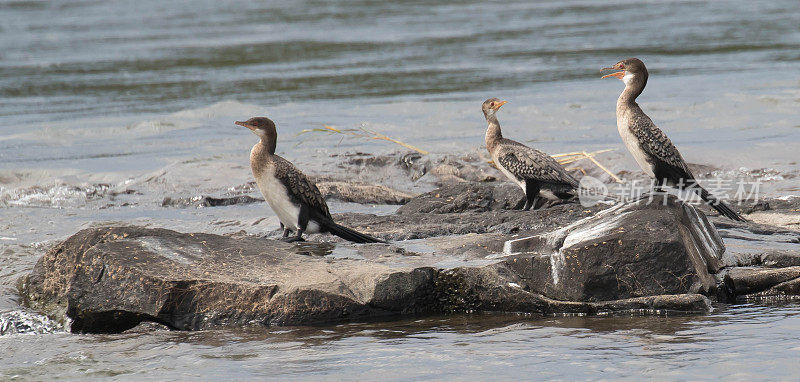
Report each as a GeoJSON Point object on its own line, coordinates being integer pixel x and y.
{"type": "Point", "coordinates": [651, 148]}
{"type": "Point", "coordinates": [534, 171]}
{"type": "Point", "coordinates": [294, 198]}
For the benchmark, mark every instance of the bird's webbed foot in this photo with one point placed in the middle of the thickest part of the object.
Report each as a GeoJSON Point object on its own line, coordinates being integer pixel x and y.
{"type": "Point", "coordinates": [295, 238]}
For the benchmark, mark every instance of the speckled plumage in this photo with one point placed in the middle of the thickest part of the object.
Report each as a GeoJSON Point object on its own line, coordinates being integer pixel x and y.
{"type": "Point", "coordinates": [528, 163]}
{"type": "Point", "coordinates": [661, 154]}
{"type": "Point", "coordinates": [532, 170]}
{"type": "Point", "coordinates": [293, 197]}
{"type": "Point", "coordinates": [299, 187]}
{"type": "Point", "coordinates": [651, 148]}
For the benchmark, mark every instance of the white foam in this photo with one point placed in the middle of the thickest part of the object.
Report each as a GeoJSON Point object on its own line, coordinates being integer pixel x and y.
{"type": "Point", "coordinates": [57, 195]}
{"type": "Point", "coordinates": [24, 322]}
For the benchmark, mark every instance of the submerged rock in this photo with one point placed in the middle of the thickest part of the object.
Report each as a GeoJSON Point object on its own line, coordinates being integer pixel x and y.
{"type": "Point", "coordinates": [763, 283]}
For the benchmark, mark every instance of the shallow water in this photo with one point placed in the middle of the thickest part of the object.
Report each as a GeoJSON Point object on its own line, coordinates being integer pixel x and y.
{"type": "Point", "coordinates": [106, 108]}
{"type": "Point", "coordinates": [742, 342]}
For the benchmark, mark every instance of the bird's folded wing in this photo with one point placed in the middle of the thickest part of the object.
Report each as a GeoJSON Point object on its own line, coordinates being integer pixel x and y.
{"type": "Point", "coordinates": [655, 143]}
{"type": "Point", "coordinates": [527, 163]}
{"type": "Point", "coordinates": [302, 189]}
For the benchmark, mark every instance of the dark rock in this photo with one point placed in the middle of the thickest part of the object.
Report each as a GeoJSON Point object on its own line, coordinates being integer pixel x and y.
{"type": "Point", "coordinates": [470, 289]}
{"type": "Point", "coordinates": [112, 279]}
{"type": "Point", "coordinates": [758, 283]}
{"type": "Point", "coordinates": [780, 212]}
{"type": "Point", "coordinates": [570, 259]}
{"type": "Point", "coordinates": [464, 197]}
{"type": "Point", "coordinates": [760, 206]}
{"type": "Point", "coordinates": [788, 204]}
{"type": "Point", "coordinates": [407, 225]}
{"type": "Point", "coordinates": [412, 163]}
{"type": "Point", "coordinates": [750, 244]}
{"type": "Point", "coordinates": [630, 250]}
{"type": "Point", "coordinates": [364, 193]}
{"type": "Point", "coordinates": [470, 168]}
{"type": "Point", "coordinates": [208, 201]}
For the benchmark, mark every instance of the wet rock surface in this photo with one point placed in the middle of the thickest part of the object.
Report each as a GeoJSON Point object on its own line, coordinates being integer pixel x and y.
{"type": "Point", "coordinates": [783, 212]}
{"type": "Point", "coordinates": [111, 279]}
{"type": "Point", "coordinates": [364, 193]}
{"type": "Point", "coordinates": [630, 250]}
{"type": "Point", "coordinates": [763, 283]}
{"type": "Point", "coordinates": [469, 253]}
{"type": "Point", "coordinates": [208, 201]}
{"type": "Point", "coordinates": [467, 197]}
{"type": "Point", "coordinates": [345, 191]}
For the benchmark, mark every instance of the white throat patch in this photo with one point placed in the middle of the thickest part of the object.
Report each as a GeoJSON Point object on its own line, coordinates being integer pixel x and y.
{"type": "Point", "coordinates": [261, 133]}
{"type": "Point", "coordinates": [627, 78]}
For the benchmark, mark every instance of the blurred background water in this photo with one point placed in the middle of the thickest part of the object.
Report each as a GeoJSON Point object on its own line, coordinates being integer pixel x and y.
{"type": "Point", "coordinates": [100, 97]}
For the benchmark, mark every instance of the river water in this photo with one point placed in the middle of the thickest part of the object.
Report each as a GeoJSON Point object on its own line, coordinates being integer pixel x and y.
{"type": "Point", "coordinates": [108, 107]}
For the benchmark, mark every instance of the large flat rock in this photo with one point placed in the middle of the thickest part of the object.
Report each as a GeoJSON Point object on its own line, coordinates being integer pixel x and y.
{"type": "Point", "coordinates": [452, 253]}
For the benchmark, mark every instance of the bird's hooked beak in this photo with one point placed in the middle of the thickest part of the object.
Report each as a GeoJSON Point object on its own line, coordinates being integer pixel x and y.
{"type": "Point", "coordinates": [251, 127]}
{"type": "Point", "coordinates": [501, 103]}
{"type": "Point", "coordinates": [618, 75]}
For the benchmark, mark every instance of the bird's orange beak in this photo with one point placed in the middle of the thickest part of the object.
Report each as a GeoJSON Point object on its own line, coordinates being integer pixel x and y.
{"type": "Point", "coordinates": [615, 74]}
{"type": "Point", "coordinates": [501, 103]}
{"type": "Point", "coordinates": [240, 123]}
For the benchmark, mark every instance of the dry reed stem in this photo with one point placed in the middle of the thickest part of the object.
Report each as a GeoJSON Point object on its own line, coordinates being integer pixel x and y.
{"type": "Point", "coordinates": [363, 132]}
{"type": "Point", "coordinates": [563, 158]}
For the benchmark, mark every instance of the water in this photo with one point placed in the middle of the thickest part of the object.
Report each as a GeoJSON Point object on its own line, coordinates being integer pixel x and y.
{"type": "Point", "coordinates": [108, 107]}
{"type": "Point", "coordinates": [746, 342]}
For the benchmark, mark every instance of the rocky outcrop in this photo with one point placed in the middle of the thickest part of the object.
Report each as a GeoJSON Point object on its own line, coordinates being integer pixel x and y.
{"type": "Point", "coordinates": [346, 191]}
{"type": "Point", "coordinates": [470, 254]}
{"type": "Point", "coordinates": [208, 201]}
{"type": "Point", "coordinates": [467, 197]}
{"type": "Point", "coordinates": [111, 279]}
{"type": "Point", "coordinates": [630, 250]}
{"type": "Point", "coordinates": [364, 193]}
{"type": "Point", "coordinates": [468, 207]}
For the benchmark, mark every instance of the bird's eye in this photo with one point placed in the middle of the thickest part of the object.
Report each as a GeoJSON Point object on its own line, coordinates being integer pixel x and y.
{"type": "Point", "coordinates": [491, 104]}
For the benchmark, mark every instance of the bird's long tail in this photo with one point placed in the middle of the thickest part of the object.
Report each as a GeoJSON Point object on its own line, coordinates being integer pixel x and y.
{"type": "Point", "coordinates": [715, 203]}
{"type": "Point", "coordinates": [348, 234]}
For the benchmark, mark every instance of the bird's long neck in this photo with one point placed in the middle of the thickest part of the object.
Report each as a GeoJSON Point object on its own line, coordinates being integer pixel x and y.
{"type": "Point", "coordinates": [634, 86]}
{"type": "Point", "coordinates": [269, 140]}
{"type": "Point", "coordinates": [493, 133]}
{"type": "Point", "coordinates": [263, 152]}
